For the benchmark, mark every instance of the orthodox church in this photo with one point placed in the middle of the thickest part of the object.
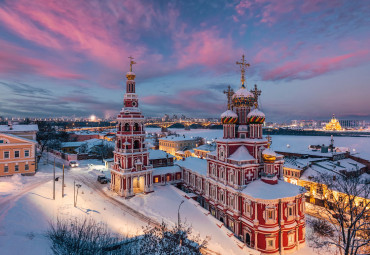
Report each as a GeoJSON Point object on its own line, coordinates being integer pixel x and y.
{"type": "Point", "coordinates": [240, 183]}
{"type": "Point", "coordinates": [243, 186]}
{"type": "Point", "coordinates": [333, 125]}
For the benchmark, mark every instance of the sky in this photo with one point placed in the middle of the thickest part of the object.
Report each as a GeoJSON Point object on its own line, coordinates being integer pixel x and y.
{"type": "Point", "coordinates": [311, 59]}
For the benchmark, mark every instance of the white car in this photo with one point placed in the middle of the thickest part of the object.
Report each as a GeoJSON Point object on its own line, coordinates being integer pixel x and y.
{"type": "Point", "coordinates": [73, 164]}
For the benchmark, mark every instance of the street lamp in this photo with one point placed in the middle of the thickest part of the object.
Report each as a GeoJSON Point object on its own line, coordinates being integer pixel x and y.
{"type": "Point", "coordinates": [75, 194]}
{"type": "Point", "coordinates": [178, 214]}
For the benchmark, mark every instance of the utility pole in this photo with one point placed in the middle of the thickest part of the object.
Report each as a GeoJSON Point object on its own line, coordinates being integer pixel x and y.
{"type": "Point", "coordinates": [63, 183]}
{"type": "Point", "coordinates": [54, 181]}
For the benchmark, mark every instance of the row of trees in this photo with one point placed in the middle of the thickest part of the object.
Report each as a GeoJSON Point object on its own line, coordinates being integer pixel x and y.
{"type": "Point", "coordinates": [85, 236]}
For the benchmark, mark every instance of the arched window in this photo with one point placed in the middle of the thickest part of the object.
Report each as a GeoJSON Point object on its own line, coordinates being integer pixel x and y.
{"type": "Point", "coordinates": [119, 144]}
{"type": "Point", "coordinates": [136, 144]}
{"type": "Point", "coordinates": [119, 127]}
{"type": "Point", "coordinates": [127, 127]}
{"type": "Point", "coordinates": [136, 127]}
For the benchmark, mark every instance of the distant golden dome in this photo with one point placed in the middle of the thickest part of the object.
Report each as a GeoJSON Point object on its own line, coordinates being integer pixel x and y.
{"type": "Point", "coordinates": [333, 125]}
{"type": "Point", "coordinates": [268, 155]}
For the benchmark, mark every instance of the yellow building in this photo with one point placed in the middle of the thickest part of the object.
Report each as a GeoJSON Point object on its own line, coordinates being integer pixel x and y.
{"type": "Point", "coordinates": [17, 155]}
{"type": "Point", "coordinates": [303, 174]}
{"type": "Point", "coordinates": [333, 125]}
{"type": "Point", "coordinates": [176, 144]}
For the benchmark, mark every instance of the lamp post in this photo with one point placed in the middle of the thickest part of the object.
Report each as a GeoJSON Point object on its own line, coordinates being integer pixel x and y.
{"type": "Point", "coordinates": [75, 194]}
{"type": "Point", "coordinates": [178, 214]}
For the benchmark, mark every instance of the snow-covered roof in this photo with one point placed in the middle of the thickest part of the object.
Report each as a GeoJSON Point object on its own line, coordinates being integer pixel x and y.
{"type": "Point", "coordinates": [19, 128]}
{"type": "Point", "coordinates": [166, 170]}
{"type": "Point", "coordinates": [177, 138]}
{"type": "Point", "coordinates": [229, 113]}
{"type": "Point", "coordinates": [242, 92]}
{"type": "Point", "coordinates": [241, 154]}
{"type": "Point", "coordinates": [206, 147]}
{"type": "Point", "coordinates": [194, 164]}
{"type": "Point", "coordinates": [260, 189]}
{"type": "Point", "coordinates": [256, 112]}
{"type": "Point", "coordinates": [159, 154]}
{"type": "Point", "coordinates": [72, 144]}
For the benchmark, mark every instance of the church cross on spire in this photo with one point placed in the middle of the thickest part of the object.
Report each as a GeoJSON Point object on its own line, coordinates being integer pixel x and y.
{"type": "Point", "coordinates": [132, 62]}
{"type": "Point", "coordinates": [256, 92]}
{"type": "Point", "coordinates": [269, 141]}
{"type": "Point", "coordinates": [229, 93]}
{"type": "Point", "coordinates": [243, 66]}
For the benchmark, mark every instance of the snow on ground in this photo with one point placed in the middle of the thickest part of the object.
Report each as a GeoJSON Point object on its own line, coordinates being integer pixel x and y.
{"type": "Point", "coordinates": [163, 204]}
{"type": "Point", "coordinates": [297, 143]}
{"type": "Point", "coordinates": [23, 222]}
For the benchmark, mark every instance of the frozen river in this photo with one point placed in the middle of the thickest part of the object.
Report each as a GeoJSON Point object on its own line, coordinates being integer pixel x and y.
{"type": "Point", "coordinates": [357, 145]}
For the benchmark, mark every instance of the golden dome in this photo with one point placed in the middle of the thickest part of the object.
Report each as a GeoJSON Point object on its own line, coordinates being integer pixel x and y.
{"type": "Point", "coordinates": [130, 76]}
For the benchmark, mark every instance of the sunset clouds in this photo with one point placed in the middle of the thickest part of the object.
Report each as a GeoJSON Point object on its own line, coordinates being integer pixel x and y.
{"type": "Point", "coordinates": [180, 47]}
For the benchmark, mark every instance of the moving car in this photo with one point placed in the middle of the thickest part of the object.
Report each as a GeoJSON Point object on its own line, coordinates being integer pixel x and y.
{"type": "Point", "coordinates": [102, 179]}
{"type": "Point", "coordinates": [73, 164]}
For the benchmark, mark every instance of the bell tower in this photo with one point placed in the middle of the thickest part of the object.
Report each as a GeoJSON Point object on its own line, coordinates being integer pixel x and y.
{"type": "Point", "coordinates": [131, 173]}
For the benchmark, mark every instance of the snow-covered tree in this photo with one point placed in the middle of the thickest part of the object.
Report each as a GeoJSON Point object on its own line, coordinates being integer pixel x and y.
{"type": "Point", "coordinates": [345, 216]}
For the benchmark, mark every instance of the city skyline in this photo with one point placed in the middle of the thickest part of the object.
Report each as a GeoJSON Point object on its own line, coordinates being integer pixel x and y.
{"type": "Point", "coordinates": [309, 59]}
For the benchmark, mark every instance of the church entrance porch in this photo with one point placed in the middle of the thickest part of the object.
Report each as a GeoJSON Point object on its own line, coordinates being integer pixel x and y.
{"type": "Point", "coordinates": [138, 184]}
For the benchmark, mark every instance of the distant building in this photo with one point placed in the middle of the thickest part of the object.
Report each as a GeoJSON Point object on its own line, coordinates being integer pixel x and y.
{"type": "Point", "coordinates": [203, 150]}
{"type": "Point", "coordinates": [333, 125]}
{"type": "Point", "coordinates": [177, 144]}
{"type": "Point", "coordinates": [17, 155]}
{"type": "Point", "coordinates": [25, 131]}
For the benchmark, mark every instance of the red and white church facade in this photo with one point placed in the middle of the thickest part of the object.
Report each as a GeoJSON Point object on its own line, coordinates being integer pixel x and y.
{"type": "Point", "coordinates": [131, 172]}
{"type": "Point", "coordinates": [241, 183]}
{"type": "Point", "coordinates": [244, 186]}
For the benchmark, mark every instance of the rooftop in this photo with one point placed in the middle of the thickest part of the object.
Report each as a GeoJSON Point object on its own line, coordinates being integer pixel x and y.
{"type": "Point", "coordinates": [177, 138]}
{"type": "Point", "coordinates": [194, 164]}
{"type": "Point", "coordinates": [159, 154]}
{"type": "Point", "coordinates": [241, 154]}
{"type": "Point", "coordinates": [262, 190]}
{"type": "Point", "coordinates": [19, 128]}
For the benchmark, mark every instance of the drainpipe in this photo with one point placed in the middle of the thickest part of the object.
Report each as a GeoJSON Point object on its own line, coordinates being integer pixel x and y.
{"type": "Point", "coordinates": [280, 232]}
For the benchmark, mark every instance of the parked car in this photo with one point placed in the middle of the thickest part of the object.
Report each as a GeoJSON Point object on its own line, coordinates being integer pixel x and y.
{"type": "Point", "coordinates": [73, 164]}
{"type": "Point", "coordinates": [102, 179]}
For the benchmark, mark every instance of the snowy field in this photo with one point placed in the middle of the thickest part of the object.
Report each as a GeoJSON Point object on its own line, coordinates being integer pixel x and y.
{"type": "Point", "coordinates": [361, 145]}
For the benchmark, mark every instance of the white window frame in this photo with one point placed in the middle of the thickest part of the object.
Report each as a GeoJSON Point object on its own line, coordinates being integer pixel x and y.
{"type": "Point", "coordinates": [292, 208]}
{"type": "Point", "coordinates": [8, 154]}
{"type": "Point", "coordinates": [248, 208]}
{"type": "Point", "coordinates": [19, 154]}
{"type": "Point", "coordinates": [29, 154]}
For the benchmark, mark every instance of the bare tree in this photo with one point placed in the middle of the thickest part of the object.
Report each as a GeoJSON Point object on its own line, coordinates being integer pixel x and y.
{"type": "Point", "coordinates": [344, 223]}
{"type": "Point", "coordinates": [81, 236]}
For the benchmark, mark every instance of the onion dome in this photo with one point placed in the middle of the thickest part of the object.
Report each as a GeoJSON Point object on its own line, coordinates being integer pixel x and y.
{"type": "Point", "coordinates": [130, 76]}
{"type": "Point", "coordinates": [243, 97]}
{"type": "Point", "coordinates": [256, 117]}
{"type": "Point", "coordinates": [229, 117]}
{"type": "Point", "coordinates": [268, 155]}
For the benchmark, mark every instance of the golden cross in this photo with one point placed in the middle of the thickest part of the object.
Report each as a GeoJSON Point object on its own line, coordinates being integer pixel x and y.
{"type": "Point", "coordinates": [269, 141]}
{"type": "Point", "coordinates": [256, 92]}
{"type": "Point", "coordinates": [243, 65]}
{"type": "Point", "coordinates": [131, 62]}
{"type": "Point", "coordinates": [229, 93]}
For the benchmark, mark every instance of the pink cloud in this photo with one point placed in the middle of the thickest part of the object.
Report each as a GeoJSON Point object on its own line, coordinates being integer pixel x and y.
{"type": "Point", "coordinates": [304, 68]}
{"type": "Point", "coordinates": [14, 59]}
{"type": "Point", "coordinates": [207, 48]}
{"type": "Point", "coordinates": [105, 31]}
